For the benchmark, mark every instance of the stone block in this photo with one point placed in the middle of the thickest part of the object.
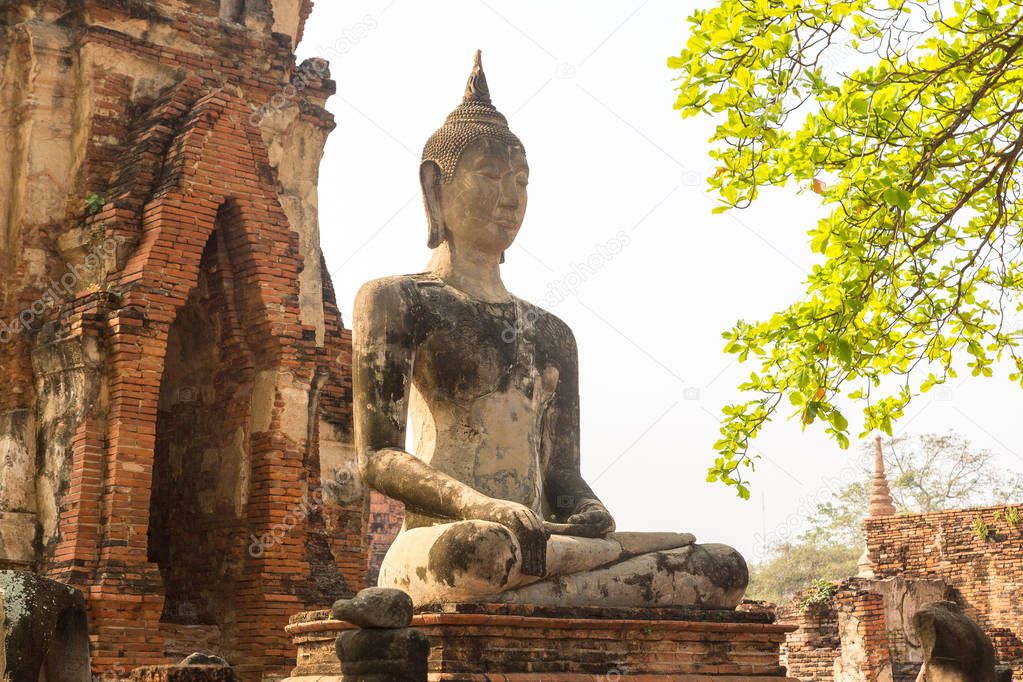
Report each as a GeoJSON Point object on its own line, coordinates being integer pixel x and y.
{"type": "Point", "coordinates": [376, 607]}
{"type": "Point", "coordinates": [396, 655]}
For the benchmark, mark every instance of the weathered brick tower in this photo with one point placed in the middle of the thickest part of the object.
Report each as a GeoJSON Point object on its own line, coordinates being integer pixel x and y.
{"type": "Point", "coordinates": [176, 371]}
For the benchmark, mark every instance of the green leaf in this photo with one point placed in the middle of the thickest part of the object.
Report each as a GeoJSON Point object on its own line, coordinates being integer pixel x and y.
{"type": "Point", "coordinates": [843, 350]}
{"type": "Point", "coordinates": [893, 196]}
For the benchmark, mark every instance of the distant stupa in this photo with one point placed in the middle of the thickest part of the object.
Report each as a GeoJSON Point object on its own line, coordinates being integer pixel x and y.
{"type": "Point", "coordinates": [881, 503]}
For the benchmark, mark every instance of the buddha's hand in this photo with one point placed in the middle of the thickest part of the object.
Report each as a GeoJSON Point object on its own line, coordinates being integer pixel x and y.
{"type": "Point", "coordinates": [590, 520]}
{"type": "Point", "coordinates": [528, 529]}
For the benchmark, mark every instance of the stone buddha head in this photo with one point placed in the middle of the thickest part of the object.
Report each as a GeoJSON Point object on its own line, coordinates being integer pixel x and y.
{"type": "Point", "coordinates": [474, 175]}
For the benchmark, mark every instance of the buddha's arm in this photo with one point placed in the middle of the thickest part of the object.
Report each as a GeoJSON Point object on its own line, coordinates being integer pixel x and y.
{"type": "Point", "coordinates": [382, 352]}
{"type": "Point", "coordinates": [382, 369]}
{"type": "Point", "coordinates": [569, 497]}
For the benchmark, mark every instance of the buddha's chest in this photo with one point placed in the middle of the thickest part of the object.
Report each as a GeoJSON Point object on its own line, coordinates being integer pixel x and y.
{"type": "Point", "coordinates": [474, 349]}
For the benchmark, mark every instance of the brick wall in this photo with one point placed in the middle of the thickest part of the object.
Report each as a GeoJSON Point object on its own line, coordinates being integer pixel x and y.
{"type": "Point", "coordinates": [809, 653]}
{"type": "Point", "coordinates": [385, 518]}
{"type": "Point", "coordinates": [865, 653]}
{"type": "Point", "coordinates": [847, 636]}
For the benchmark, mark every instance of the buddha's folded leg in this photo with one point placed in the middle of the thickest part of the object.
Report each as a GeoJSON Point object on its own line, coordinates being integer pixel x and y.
{"type": "Point", "coordinates": [478, 560]}
{"type": "Point", "coordinates": [452, 562]}
{"type": "Point", "coordinates": [703, 576]}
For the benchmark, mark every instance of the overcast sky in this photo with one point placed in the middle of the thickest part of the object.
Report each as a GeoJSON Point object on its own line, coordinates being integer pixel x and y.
{"type": "Point", "coordinates": [619, 225]}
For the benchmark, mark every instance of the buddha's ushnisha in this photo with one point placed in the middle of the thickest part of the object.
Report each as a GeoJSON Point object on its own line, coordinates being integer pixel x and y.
{"type": "Point", "coordinates": [476, 117]}
{"type": "Point", "coordinates": [496, 506]}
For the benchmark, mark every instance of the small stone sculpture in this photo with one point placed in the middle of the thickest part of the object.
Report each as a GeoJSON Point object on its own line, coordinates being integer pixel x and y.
{"type": "Point", "coordinates": [385, 649]}
{"type": "Point", "coordinates": [197, 667]}
{"type": "Point", "coordinates": [955, 648]}
{"type": "Point", "coordinates": [496, 506]}
{"type": "Point", "coordinates": [200, 658]}
{"type": "Point", "coordinates": [43, 631]}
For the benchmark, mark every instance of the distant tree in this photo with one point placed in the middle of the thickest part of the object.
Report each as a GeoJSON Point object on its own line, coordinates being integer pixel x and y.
{"type": "Point", "coordinates": [932, 472]}
{"type": "Point", "coordinates": [926, 473]}
{"type": "Point", "coordinates": [793, 567]}
{"type": "Point", "coordinates": [904, 116]}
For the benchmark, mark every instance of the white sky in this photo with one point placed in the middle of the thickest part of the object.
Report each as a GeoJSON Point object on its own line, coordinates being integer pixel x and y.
{"type": "Point", "coordinates": [585, 86]}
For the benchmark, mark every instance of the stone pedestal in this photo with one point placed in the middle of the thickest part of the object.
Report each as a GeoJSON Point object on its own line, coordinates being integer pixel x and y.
{"type": "Point", "coordinates": [490, 642]}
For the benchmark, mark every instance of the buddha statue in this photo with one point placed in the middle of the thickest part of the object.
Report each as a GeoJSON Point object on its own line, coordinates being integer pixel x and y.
{"type": "Point", "coordinates": [496, 509]}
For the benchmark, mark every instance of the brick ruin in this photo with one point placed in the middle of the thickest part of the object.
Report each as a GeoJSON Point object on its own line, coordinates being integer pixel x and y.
{"type": "Point", "coordinates": [175, 429]}
{"type": "Point", "coordinates": [864, 632]}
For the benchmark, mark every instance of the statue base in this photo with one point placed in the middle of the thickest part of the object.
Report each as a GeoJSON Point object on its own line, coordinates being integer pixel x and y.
{"type": "Point", "coordinates": [522, 643]}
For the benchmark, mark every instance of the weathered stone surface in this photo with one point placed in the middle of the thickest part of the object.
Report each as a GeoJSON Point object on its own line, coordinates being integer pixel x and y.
{"type": "Point", "coordinates": [955, 648]}
{"type": "Point", "coordinates": [698, 575]}
{"type": "Point", "coordinates": [376, 607]}
{"type": "Point", "coordinates": [643, 543]}
{"type": "Point", "coordinates": [17, 540]}
{"type": "Point", "coordinates": [497, 508]}
{"type": "Point", "coordinates": [43, 632]}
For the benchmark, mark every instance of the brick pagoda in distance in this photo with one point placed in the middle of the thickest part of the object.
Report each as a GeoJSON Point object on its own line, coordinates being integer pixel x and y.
{"type": "Point", "coordinates": [175, 427]}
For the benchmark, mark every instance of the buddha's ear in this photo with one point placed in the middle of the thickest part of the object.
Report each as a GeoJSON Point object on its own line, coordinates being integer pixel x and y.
{"type": "Point", "coordinates": [430, 179]}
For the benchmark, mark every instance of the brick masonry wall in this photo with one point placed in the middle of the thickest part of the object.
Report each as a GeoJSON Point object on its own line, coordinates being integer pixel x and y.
{"type": "Point", "coordinates": [861, 624]}
{"type": "Point", "coordinates": [346, 518]}
{"type": "Point", "coordinates": [985, 573]}
{"type": "Point", "coordinates": [809, 653]}
{"type": "Point", "coordinates": [844, 637]}
{"type": "Point", "coordinates": [385, 518]}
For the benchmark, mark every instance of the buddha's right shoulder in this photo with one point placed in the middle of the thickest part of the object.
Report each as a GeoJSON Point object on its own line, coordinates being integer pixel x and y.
{"type": "Point", "coordinates": [388, 291]}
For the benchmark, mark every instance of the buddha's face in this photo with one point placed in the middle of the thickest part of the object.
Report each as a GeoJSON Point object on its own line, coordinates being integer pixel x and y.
{"type": "Point", "coordinates": [485, 201]}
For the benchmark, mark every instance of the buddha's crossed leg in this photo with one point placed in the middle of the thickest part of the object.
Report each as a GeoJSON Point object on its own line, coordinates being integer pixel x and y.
{"type": "Point", "coordinates": [470, 561]}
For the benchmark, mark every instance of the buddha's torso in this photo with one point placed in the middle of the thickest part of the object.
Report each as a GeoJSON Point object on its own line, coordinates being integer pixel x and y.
{"type": "Point", "coordinates": [484, 375]}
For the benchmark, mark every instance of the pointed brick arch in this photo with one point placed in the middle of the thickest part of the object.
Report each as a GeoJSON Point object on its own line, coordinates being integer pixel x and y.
{"type": "Point", "coordinates": [216, 158]}
{"type": "Point", "coordinates": [198, 524]}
